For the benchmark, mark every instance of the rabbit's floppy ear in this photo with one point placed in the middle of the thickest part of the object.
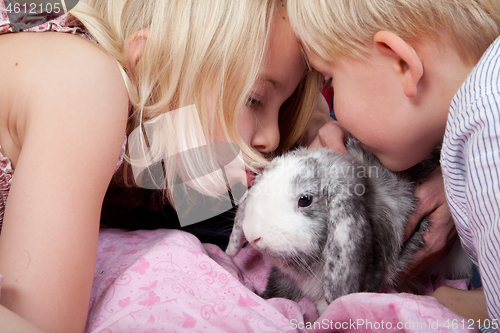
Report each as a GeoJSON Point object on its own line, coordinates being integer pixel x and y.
{"type": "Point", "coordinates": [237, 237]}
{"type": "Point", "coordinates": [236, 240]}
{"type": "Point", "coordinates": [349, 254]}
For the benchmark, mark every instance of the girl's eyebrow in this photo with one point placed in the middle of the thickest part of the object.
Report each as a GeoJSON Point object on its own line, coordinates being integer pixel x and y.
{"type": "Point", "coordinates": [275, 83]}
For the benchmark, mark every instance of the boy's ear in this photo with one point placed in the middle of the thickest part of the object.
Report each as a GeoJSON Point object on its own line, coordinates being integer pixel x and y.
{"type": "Point", "coordinates": [134, 48]}
{"type": "Point", "coordinates": [408, 63]}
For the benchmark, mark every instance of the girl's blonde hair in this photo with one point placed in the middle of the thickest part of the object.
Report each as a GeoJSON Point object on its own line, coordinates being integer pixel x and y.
{"type": "Point", "coordinates": [205, 53]}
{"type": "Point", "coordinates": [345, 28]}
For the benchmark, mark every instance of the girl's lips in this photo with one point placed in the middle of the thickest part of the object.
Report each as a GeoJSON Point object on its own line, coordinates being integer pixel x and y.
{"type": "Point", "coordinates": [250, 178]}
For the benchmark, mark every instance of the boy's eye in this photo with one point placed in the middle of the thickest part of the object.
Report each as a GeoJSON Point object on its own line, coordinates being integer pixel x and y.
{"type": "Point", "coordinates": [327, 83]}
{"type": "Point", "coordinates": [253, 102]}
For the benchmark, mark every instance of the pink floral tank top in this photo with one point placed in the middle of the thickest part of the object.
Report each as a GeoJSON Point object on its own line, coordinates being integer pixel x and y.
{"type": "Point", "coordinates": [65, 23]}
{"type": "Point", "coordinates": [5, 180]}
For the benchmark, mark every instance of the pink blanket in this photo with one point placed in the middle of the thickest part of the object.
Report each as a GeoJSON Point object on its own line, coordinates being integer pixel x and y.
{"type": "Point", "coordinates": [167, 281]}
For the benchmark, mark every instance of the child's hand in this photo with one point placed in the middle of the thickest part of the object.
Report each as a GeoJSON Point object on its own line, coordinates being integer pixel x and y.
{"type": "Point", "coordinates": [323, 131]}
{"type": "Point", "coordinates": [470, 304]}
{"type": "Point", "coordinates": [441, 234]}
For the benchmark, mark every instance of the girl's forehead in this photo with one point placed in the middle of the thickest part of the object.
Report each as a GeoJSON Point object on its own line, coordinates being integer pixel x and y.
{"type": "Point", "coordinates": [283, 51]}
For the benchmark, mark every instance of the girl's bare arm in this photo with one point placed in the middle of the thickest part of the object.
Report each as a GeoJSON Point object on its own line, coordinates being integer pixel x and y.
{"type": "Point", "coordinates": [70, 128]}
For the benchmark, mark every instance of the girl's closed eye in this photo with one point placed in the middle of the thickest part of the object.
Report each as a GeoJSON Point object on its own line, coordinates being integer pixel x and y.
{"type": "Point", "coordinates": [253, 102]}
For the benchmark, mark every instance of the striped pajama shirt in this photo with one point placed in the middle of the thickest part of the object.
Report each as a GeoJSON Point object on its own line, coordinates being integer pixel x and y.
{"type": "Point", "coordinates": [470, 161]}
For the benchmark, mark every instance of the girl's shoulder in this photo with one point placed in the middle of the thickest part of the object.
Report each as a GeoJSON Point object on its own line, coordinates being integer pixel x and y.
{"type": "Point", "coordinates": [41, 51]}
{"type": "Point", "coordinates": [42, 62]}
{"type": "Point", "coordinates": [52, 77]}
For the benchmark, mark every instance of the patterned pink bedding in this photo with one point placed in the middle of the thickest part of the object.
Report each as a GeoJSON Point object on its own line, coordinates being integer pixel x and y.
{"type": "Point", "coordinates": [167, 281]}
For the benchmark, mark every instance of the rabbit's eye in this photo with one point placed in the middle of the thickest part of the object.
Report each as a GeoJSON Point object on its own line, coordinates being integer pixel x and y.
{"type": "Point", "coordinates": [305, 200]}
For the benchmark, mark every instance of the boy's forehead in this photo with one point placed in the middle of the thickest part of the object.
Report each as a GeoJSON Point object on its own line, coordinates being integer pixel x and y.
{"type": "Point", "coordinates": [318, 63]}
{"type": "Point", "coordinates": [333, 59]}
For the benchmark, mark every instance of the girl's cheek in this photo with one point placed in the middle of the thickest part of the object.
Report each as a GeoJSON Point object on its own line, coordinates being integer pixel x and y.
{"type": "Point", "coordinates": [246, 126]}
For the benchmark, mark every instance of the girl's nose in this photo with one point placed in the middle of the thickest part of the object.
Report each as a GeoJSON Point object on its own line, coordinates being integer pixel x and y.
{"type": "Point", "coordinates": [266, 137]}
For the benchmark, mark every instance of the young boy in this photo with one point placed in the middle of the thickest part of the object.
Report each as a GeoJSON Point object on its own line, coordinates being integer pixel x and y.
{"type": "Point", "coordinates": [396, 67]}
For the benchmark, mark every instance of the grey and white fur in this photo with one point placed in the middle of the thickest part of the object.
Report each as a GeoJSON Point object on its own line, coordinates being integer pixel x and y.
{"type": "Point", "coordinates": [333, 223]}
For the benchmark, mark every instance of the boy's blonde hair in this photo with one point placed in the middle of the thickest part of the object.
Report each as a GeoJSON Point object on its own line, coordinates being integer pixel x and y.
{"type": "Point", "coordinates": [345, 28]}
{"type": "Point", "coordinates": [198, 52]}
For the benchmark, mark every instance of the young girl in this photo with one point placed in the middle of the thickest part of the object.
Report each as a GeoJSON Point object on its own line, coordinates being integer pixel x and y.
{"type": "Point", "coordinates": [64, 108]}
